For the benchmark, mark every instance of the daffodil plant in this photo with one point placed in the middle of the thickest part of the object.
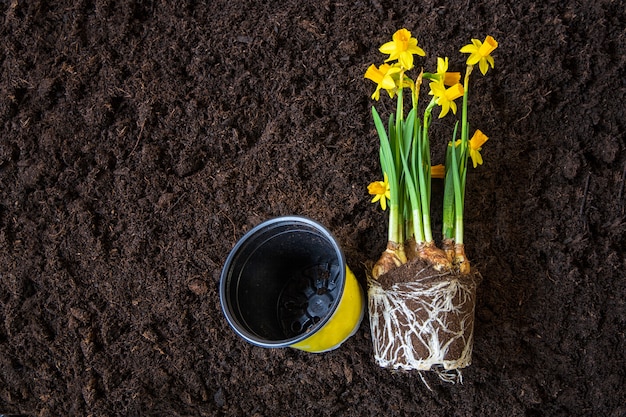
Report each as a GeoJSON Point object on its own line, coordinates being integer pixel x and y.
{"type": "Point", "coordinates": [405, 153]}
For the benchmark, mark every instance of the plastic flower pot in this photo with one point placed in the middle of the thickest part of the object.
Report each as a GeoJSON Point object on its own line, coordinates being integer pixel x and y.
{"type": "Point", "coordinates": [426, 324]}
{"type": "Point", "coordinates": [286, 284]}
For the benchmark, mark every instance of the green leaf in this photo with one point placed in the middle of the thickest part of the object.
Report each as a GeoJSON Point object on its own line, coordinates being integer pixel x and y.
{"type": "Point", "coordinates": [408, 130]}
{"type": "Point", "coordinates": [386, 157]}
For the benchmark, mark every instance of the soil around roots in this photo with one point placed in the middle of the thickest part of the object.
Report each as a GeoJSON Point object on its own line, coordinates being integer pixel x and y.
{"type": "Point", "coordinates": [419, 270]}
{"type": "Point", "coordinates": [422, 318]}
{"type": "Point", "coordinates": [139, 140]}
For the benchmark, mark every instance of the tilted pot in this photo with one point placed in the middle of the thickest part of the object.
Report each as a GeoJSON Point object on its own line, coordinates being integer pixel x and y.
{"type": "Point", "coordinates": [286, 284]}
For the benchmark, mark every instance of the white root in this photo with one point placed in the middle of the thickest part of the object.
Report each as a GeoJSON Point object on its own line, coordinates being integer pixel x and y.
{"type": "Point", "coordinates": [424, 324]}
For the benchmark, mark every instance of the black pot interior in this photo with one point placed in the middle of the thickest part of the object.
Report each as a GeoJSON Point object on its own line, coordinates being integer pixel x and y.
{"type": "Point", "coordinates": [282, 281]}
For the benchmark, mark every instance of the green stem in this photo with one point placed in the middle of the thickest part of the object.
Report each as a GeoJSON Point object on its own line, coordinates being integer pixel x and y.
{"type": "Point", "coordinates": [460, 170]}
{"type": "Point", "coordinates": [395, 232]}
{"type": "Point", "coordinates": [464, 127]}
{"type": "Point", "coordinates": [424, 176]}
{"type": "Point", "coordinates": [465, 130]}
{"type": "Point", "coordinates": [448, 196]}
{"type": "Point", "coordinates": [410, 176]}
{"type": "Point", "coordinates": [399, 123]}
{"type": "Point", "coordinates": [415, 162]}
{"type": "Point", "coordinates": [397, 150]}
{"type": "Point", "coordinates": [458, 197]}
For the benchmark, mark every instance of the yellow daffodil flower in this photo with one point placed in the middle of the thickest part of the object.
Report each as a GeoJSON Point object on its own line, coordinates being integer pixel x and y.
{"type": "Point", "coordinates": [480, 53]}
{"type": "Point", "coordinates": [402, 48]}
{"type": "Point", "coordinates": [438, 171]}
{"type": "Point", "coordinates": [448, 78]}
{"type": "Point", "coordinates": [383, 77]}
{"type": "Point", "coordinates": [446, 96]}
{"type": "Point", "coordinates": [475, 146]}
{"type": "Point", "coordinates": [381, 192]}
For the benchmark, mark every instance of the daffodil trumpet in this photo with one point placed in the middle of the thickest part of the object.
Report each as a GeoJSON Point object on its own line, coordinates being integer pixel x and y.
{"type": "Point", "coordinates": [422, 297]}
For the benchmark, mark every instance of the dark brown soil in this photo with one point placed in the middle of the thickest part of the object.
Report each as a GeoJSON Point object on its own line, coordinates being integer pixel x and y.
{"type": "Point", "coordinates": [139, 140]}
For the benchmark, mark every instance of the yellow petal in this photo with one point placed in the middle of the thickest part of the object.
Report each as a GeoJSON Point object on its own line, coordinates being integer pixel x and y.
{"type": "Point", "coordinates": [388, 48]}
{"type": "Point", "coordinates": [445, 107]}
{"type": "Point", "coordinates": [442, 65]}
{"type": "Point", "coordinates": [453, 107]}
{"type": "Point", "coordinates": [482, 64]}
{"type": "Point", "coordinates": [388, 83]}
{"type": "Point", "coordinates": [437, 89]}
{"type": "Point", "coordinates": [469, 49]}
{"type": "Point", "coordinates": [473, 59]}
{"type": "Point", "coordinates": [477, 159]}
{"type": "Point", "coordinates": [406, 60]}
{"type": "Point", "coordinates": [376, 94]}
{"type": "Point", "coordinates": [417, 50]}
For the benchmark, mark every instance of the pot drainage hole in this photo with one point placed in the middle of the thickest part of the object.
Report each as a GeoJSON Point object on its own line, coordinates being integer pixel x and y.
{"type": "Point", "coordinates": [307, 298]}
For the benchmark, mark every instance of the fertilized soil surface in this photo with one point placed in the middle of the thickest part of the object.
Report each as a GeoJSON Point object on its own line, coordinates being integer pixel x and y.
{"type": "Point", "coordinates": [140, 140]}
